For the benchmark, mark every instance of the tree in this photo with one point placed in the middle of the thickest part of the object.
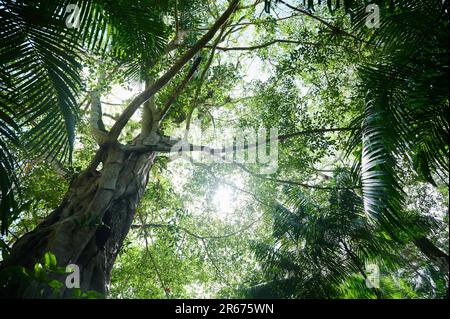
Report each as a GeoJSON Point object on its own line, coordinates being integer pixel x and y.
{"type": "Point", "coordinates": [391, 129]}
{"type": "Point", "coordinates": [341, 95]}
{"type": "Point", "coordinates": [321, 247]}
{"type": "Point", "coordinates": [99, 207]}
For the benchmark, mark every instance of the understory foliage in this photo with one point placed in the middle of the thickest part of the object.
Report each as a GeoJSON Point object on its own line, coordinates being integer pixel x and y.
{"type": "Point", "coordinates": [363, 158]}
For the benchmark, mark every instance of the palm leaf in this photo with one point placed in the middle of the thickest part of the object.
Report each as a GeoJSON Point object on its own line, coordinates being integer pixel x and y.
{"type": "Point", "coordinates": [40, 68]}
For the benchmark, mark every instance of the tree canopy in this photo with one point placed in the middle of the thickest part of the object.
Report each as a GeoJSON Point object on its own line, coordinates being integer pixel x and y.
{"type": "Point", "coordinates": [354, 203]}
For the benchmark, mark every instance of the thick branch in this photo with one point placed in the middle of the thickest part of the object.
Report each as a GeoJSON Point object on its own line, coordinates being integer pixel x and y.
{"type": "Point", "coordinates": [178, 89]}
{"type": "Point", "coordinates": [264, 45]}
{"type": "Point", "coordinates": [202, 79]}
{"type": "Point", "coordinates": [176, 145]}
{"type": "Point", "coordinates": [97, 126]}
{"type": "Point", "coordinates": [163, 80]}
{"type": "Point", "coordinates": [149, 113]}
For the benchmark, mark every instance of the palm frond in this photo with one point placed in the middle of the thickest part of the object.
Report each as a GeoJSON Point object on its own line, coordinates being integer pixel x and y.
{"type": "Point", "coordinates": [40, 67]}
{"type": "Point", "coordinates": [405, 119]}
{"type": "Point", "coordinates": [8, 164]}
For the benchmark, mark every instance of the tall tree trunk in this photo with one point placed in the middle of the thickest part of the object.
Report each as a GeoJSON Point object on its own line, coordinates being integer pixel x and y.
{"type": "Point", "coordinates": [89, 227]}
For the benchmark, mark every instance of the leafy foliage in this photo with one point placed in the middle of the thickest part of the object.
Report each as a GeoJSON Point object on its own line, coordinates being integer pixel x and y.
{"type": "Point", "coordinates": [320, 249]}
{"type": "Point", "coordinates": [40, 56]}
{"type": "Point", "coordinates": [405, 119]}
{"type": "Point", "coordinates": [363, 194]}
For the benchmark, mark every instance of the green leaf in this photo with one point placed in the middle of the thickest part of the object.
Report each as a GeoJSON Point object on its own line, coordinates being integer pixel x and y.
{"type": "Point", "coordinates": [49, 261]}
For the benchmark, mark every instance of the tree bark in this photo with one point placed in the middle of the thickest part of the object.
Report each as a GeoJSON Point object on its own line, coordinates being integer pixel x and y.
{"type": "Point", "coordinates": [89, 226]}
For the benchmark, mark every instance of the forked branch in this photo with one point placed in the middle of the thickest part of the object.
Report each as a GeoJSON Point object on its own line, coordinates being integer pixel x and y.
{"type": "Point", "coordinates": [166, 77]}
